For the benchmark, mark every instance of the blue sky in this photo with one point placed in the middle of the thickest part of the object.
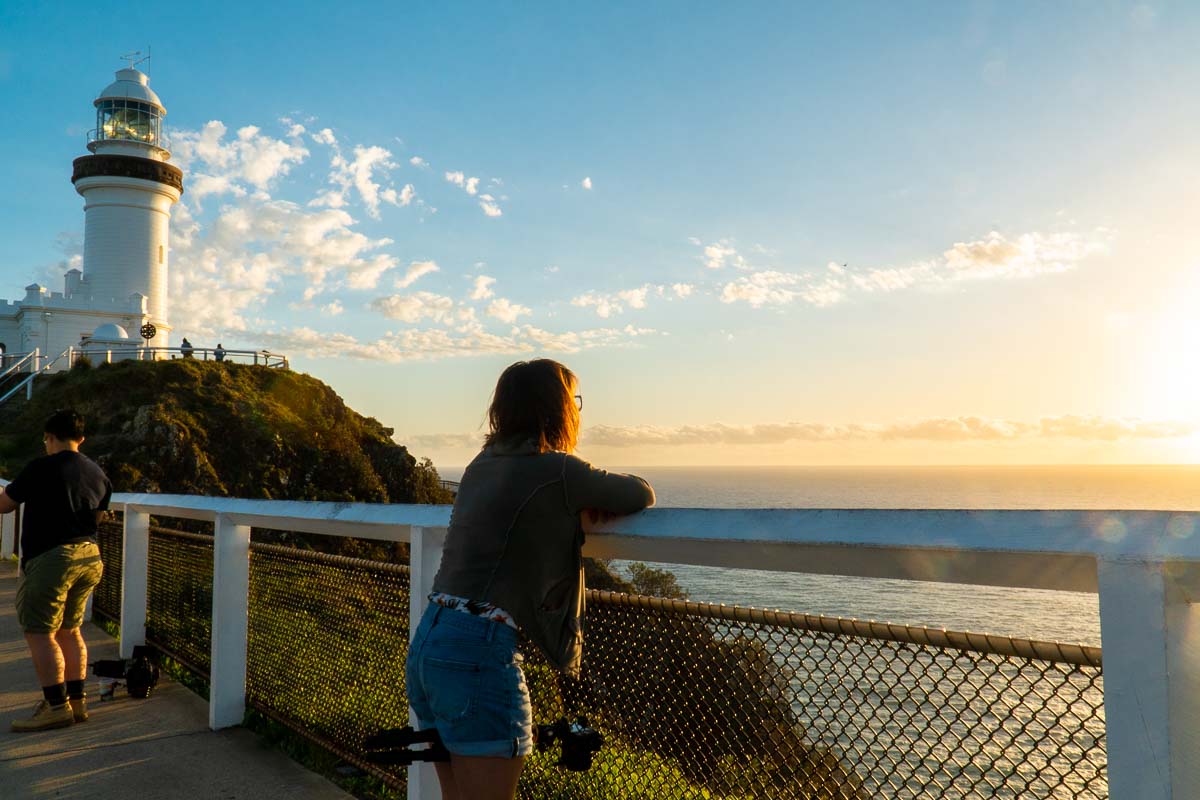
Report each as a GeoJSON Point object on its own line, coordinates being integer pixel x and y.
{"type": "Point", "coordinates": [870, 233]}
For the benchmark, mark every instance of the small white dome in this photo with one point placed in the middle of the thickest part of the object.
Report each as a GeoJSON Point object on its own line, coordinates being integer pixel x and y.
{"type": "Point", "coordinates": [133, 85]}
{"type": "Point", "coordinates": [110, 331]}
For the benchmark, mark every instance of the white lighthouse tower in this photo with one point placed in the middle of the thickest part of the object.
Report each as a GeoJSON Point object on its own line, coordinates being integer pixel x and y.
{"type": "Point", "coordinates": [128, 189]}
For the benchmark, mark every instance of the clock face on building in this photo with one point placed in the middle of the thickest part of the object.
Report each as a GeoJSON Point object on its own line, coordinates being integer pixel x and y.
{"type": "Point", "coordinates": [149, 331]}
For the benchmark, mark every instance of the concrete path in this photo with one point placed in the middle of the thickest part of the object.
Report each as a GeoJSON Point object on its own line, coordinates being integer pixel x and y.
{"type": "Point", "coordinates": [145, 749]}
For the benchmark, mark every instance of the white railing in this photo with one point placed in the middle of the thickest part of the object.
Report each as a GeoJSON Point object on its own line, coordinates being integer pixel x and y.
{"type": "Point", "coordinates": [1145, 565]}
{"type": "Point", "coordinates": [36, 364]}
{"type": "Point", "coordinates": [259, 357]}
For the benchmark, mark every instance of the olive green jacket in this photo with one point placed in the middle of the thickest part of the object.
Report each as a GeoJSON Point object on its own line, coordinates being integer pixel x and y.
{"type": "Point", "coordinates": [515, 539]}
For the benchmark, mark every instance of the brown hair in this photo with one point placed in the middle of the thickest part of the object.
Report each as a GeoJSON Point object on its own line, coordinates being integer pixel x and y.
{"type": "Point", "coordinates": [535, 400]}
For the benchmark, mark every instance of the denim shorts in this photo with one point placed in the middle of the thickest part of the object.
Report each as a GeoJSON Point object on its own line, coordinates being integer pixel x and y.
{"type": "Point", "coordinates": [464, 678]}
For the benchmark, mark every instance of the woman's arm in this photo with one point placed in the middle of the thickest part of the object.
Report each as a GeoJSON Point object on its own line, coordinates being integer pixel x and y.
{"type": "Point", "coordinates": [596, 489]}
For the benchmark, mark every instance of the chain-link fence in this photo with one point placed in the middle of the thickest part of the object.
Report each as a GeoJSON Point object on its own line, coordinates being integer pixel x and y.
{"type": "Point", "coordinates": [694, 700]}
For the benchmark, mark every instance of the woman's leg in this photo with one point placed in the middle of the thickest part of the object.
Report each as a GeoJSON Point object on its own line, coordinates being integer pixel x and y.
{"type": "Point", "coordinates": [485, 778]}
{"type": "Point", "coordinates": [446, 778]}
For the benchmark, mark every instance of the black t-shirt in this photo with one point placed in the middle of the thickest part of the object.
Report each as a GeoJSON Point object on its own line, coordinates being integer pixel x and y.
{"type": "Point", "coordinates": [62, 494]}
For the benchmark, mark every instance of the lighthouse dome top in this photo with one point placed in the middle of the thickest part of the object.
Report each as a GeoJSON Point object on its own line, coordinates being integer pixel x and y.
{"type": "Point", "coordinates": [110, 332]}
{"type": "Point", "coordinates": [131, 84]}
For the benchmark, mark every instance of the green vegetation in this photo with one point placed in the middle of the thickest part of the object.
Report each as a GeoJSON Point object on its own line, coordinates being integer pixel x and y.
{"type": "Point", "coordinates": [222, 429]}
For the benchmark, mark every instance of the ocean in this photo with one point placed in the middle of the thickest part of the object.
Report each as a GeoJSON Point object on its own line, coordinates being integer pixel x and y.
{"type": "Point", "coordinates": [1055, 616]}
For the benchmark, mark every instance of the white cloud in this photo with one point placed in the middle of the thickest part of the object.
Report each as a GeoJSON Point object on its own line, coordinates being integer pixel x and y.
{"type": "Point", "coordinates": [415, 271]}
{"type": "Point", "coordinates": [774, 288]}
{"type": "Point", "coordinates": [995, 257]}
{"type": "Point", "coordinates": [417, 161]}
{"type": "Point", "coordinates": [437, 343]}
{"type": "Point", "coordinates": [1030, 254]}
{"type": "Point", "coordinates": [481, 287]}
{"type": "Point", "coordinates": [358, 174]}
{"type": "Point", "coordinates": [324, 136]}
{"type": "Point", "coordinates": [252, 157]}
{"type": "Point", "coordinates": [607, 305]}
{"type": "Point", "coordinates": [940, 429]}
{"type": "Point", "coordinates": [722, 253]}
{"type": "Point", "coordinates": [470, 185]}
{"type": "Point", "coordinates": [332, 309]}
{"type": "Point", "coordinates": [586, 183]}
{"type": "Point", "coordinates": [414, 307]}
{"type": "Point", "coordinates": [507, 311]}
{"type": "Point", "coordinates": [235, 263]}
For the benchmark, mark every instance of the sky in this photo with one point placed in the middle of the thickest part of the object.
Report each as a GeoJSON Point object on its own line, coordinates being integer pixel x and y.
{"type": "Point", "coordinates": [775, 233]}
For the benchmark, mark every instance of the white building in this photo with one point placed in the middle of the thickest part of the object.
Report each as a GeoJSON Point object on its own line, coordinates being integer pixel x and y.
{"type": "Point", "coordinates": [128, 189]}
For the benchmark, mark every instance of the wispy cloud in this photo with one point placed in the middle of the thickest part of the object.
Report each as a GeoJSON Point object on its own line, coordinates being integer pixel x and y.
{"type": "Point", "coordinates": [506, 311]}
{"type": "Point", "coordinates": [721, 254]}
{"type": "Point", "coordinates": [936, 429]}
{"type": "Point", "coordinates": [359, 174]}
{"type": "Point", "coordinates": [416, 270]}
{"type": "Point", "coordinates": [412, 308]}
{"type": "Point", "coordinates": [431, 344]}
{"type": "Point", "coordinates": [586, 183]}
{"type": "Point", "coordinates": [470, 185]}
{"type": "Point", "coordinates": [994, 257]}
{"type": "Point", "coordinates": [610, 304]}
{"type": "Point", "coordinates": [218, 166]}
{"type": "Point", "coordinates": [481, 287]}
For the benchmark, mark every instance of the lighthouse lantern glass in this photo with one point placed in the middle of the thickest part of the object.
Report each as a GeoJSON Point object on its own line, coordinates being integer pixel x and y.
{"type": "Point", "coordinates": [128, 120]}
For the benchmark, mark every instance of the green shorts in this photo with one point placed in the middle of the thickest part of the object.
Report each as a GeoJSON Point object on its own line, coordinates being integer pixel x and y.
{"type": "Point", "coordinates": [53, 589]}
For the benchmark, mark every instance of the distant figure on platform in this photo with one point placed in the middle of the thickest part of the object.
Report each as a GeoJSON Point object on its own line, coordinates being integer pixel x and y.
{"type": "Point", "coordinates": [65, 494]}
{"type": "Point", "coordinates": [219, 353]}
{"type": "Point", "coordinates": [513, 562]}
{"type": "Point", "coordinates": [186, 348]}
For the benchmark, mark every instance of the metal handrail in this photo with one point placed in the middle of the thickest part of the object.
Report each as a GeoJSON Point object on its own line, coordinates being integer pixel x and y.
{"type": "Point", "coordinates": [19, 363]}
{"type": "Point", "coordinates": [38, 369]}
{"type": "Point", "coordinates": [258, 357]}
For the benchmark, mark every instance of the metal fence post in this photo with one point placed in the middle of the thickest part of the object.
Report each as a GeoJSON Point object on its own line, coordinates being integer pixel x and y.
{"type": "Point", "coordinates": [425, 556]}
{"type": "Point", "coordinates": [1151, 638]}
{"type": "Point", "coordinates": [135, 568]}
{"type": "Point", "coordinates": [230, 623]}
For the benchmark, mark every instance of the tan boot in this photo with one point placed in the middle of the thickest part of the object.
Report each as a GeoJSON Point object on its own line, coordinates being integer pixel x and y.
{"type": "Point", "coordinates": [78, 708]}
{"type": "Point", "coordinates": [45, 717]}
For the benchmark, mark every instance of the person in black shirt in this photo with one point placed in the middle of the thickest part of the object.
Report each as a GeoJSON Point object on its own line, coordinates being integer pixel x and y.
{"type": "Point", "coordinates": [65, 494]}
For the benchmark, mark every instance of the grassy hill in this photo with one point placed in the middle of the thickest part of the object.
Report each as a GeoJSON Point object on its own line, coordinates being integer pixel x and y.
{"type": "Point", "coordinates": [234, 430]}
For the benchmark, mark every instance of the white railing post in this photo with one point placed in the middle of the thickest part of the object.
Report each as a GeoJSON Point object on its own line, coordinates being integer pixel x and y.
{"type": "Point", "coordinates": [8, 534]}
{"type": "Point", "coordinates": [1151, 638]}
{"type": "Point", "coordinates": [425, 556]}
{"type": "Point", "coordinates": [135, 569]}
{"type": "Point", "coordinates": [230, 623]}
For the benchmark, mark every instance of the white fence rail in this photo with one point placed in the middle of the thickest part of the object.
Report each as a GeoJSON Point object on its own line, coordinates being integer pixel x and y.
{"type": "Point", "coordinates": [1144, 564]}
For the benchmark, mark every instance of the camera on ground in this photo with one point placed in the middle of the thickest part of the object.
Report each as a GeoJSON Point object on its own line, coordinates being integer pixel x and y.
{"type": "Point", "coordinates": [578, 740]}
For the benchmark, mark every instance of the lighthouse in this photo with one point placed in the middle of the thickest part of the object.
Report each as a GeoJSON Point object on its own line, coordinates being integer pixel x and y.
{"type": "Point", "coordinates": [128, 189]}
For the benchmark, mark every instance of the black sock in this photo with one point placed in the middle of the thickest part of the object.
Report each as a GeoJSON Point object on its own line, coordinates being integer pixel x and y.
{"type": "Point", "coordinates": [56, 695]}
{"type": "Point", "coordinates": [75, 690]}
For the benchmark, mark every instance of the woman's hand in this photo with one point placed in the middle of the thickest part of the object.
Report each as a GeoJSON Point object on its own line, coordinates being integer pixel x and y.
{"type": "Point", "coordinates": [597, 516]}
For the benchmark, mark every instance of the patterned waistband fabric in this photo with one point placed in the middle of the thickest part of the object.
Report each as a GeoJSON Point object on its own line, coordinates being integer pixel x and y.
{"type": "Point", "coordinates": [476, 608]}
